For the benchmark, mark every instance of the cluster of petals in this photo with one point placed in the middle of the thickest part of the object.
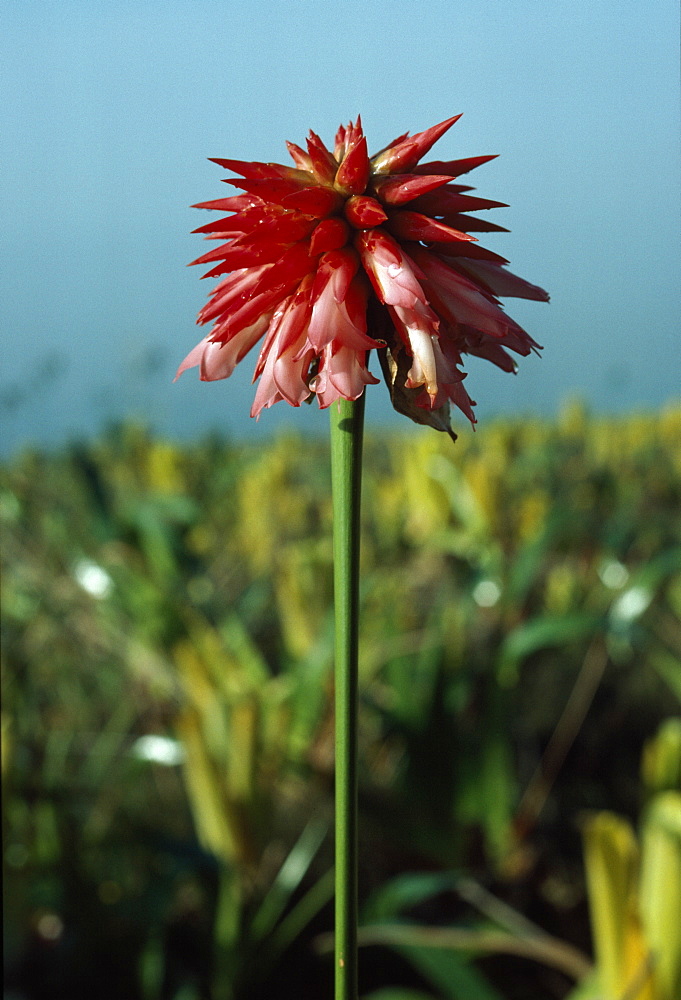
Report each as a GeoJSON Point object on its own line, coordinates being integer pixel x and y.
{"type": "Point", "coordinates": [343, 253]}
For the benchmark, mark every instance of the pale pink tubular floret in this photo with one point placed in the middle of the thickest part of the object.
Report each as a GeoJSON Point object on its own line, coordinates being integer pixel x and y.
{"type": "Point", "coordinates": [283, 359]}
{"type": "Point", "coordinates": [342, 375]}
{"type": "Point", "coordinates": [332, 290]}
{"type": "Point", "coordinates": [389, 269]}
{"type": "Point", "coordinates": [311, 251]}
{"type": "Point", "coordinates": [217, 360]}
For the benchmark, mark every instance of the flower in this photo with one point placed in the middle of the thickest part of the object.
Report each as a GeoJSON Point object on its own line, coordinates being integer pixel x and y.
{"type": "Point", "coordinates": [342, 254]}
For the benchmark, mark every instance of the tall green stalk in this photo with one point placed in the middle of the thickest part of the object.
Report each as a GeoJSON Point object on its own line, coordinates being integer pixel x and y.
{"type": "Point", "coordinates": [347, 424]}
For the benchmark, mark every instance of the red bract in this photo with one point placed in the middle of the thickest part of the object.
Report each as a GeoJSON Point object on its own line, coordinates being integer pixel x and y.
{"type": "Point", "coordinates": [343, 254]}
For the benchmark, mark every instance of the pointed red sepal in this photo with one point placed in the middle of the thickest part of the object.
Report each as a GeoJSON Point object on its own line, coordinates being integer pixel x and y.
{"type": "Point", "coordinates": [299, 157]}
{"type": "Point", "coordinates": [234, 224]}
{"type": "Point", "coordinates": [276, 192]}
{"type": "Point", "coordinates": [324, 163]}
{"type": "Point", "coordinates": [330, 234]}
{"type": "Point", "coordinates": [260, 171]}
{"type": "Point", "coordinates": [398, 189]}
{"type": "Point", "coordinates": [233, 257]}
{"type": "Point", "coordinates": [339, 143]}
{"type": "Point", "coordinates": [469, 250]}
{"type": "Point", "coordinates": [237, 203]}
{"type": "Point", "coordinates": [264, 244]}
{"type": "Point", "coordinates": [316, 201]}
{"type": "Point", "coordinates": [364, 212]}
{"type": "Point", "coordinates": [346, 137]}
{"type": "Point", "coordinates": [352, 176]}
{"type": "Point", "coordinates": [453, 167]}
{"type": "Point", "coordinates": [499, 281]}
{"type": "Point", "coordinates": [260, 215]}
{"type": "Point", "coordinates": [407, 153]}
{"type": "Point", "coordinates": [470, 224]}
{"type": "Point", "coordinates": [447, 199]}
{"type": "Point", "coordinates": [414, 226]}
{"type": "Point", "coordinates": [390, 145]}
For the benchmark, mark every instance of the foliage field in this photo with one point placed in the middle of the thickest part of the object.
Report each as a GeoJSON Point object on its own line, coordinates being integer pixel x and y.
{"type": "Point", "coordinates": [521, 647]}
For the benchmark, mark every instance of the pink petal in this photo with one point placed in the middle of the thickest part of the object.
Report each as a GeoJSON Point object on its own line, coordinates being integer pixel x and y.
{"type": "Point", "coordinates": [389, 269]}
{"type": "Point", "coordinates": [331, 320]}
{"type": "Point", "coordinates": [342, 375]}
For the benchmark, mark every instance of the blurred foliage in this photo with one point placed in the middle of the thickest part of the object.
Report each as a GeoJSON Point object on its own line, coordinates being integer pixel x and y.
{"type": "Point", "coordinates": [521, 643]}
{"type": "Point", "coordinates": [635, 885]}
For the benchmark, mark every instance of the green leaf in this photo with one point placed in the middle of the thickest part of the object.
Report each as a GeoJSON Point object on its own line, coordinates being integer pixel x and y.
{"type": "Point", "coordinates": [450, 972]}
{"type": "Point", "coordinates": [403, 892]}
{"type": "Point", "coordinates": [542, 633]}
{"type": "Point", "coordinates": [288, 879]}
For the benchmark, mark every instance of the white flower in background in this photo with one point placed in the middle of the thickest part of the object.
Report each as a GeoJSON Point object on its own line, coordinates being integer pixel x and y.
{"type": "Point", "coordinates": [92, 578]}
{"type": "Point", "coordinates": [158, 750]}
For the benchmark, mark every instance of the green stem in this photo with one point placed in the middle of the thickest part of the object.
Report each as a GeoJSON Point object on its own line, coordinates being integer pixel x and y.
{"type": "Point", "coordinates": [347, 422]}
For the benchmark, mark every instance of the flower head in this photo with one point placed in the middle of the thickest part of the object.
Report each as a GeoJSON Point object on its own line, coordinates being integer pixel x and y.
{"type": "Point", "coordinates": [342, 254]}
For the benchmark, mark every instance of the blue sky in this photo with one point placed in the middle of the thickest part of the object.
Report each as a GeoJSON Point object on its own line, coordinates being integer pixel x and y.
{"type": "Point", "coordinates": [110, 110]}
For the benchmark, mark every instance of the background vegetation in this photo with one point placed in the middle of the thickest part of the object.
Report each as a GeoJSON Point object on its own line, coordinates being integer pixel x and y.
{"type": "Point", "coordinates": [168, 711]}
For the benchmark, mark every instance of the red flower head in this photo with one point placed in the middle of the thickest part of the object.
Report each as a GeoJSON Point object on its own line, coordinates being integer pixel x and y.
{"type": "Point", "coordinates": [341, 254]}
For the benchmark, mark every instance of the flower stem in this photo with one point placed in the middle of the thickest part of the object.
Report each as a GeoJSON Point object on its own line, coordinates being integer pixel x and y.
{"type": "Point", "coordinates": [347, 423]}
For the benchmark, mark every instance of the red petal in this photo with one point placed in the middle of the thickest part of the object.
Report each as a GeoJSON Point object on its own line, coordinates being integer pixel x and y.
{"type": "Point", "coordinates": [446, 199]}
{"type": "Point", "coordinates": [232, 292]}
{"type": "Point", "coordinates": [499, 281]}
{"type": "Point", "coordinates": [339, 143]}
{"type": "Point", "coordinates": [330, 234]}
{"type": "Point", "coordinates": [236, 203]}
{"type": "Point", "coordinates": [299, 157]}
{"type": "Point", "coordinates": [467, 250]}
{"type": "Point", "coordinates": [234, 224]}
{"type": "Point", "coordinates": [261, 171]}
{"type": "Point", "coordinates": [409, 151]}
{"type": "Point", "coordinates": [414, 226]}
{"type": "Point", "coordinates": [363, 212]}
{"type": "Point", "coordinates": [269, 190]}
{"type": "Point", "coordinates": [265, 217]}
{"type": "Point", "coordinates": [316, 201]}
{"type": "Point", "coordinates": [234, 257]}
{"type": "Point", "coordinates": [470, 224]}
{"type": "Point", "coordinates": [401, 188]}
{"type": "Point", "coordinates": [261, 211]}
{"type": "Point", "coordinates": [453, 167]}
{"type": "Point", "coordinates": [279, 281]}
{"type": "Point", "coordinates": [324, 164]}
{"type": "Point", "coordinates": [353, 174]}
{"type": "Point", "coordinates": [459, 300]}
{"type": "Point", "coordinates": [264, 244]}
{"type": "Point", "coordinates": [283, 276]}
